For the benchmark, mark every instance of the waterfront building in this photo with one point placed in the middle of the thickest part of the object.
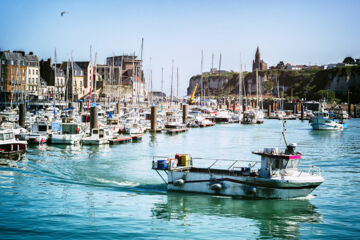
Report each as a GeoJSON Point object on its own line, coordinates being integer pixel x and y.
{"type": "Point", "coordinates": [32, 75]}
{"type": "Point", "coordinates": [123, 78]}
{"type": "Point", "coordinates": [75, 83]}
{"type": "Point", "coordinates": [55, 86]}
{"type": "Point", "coordinates": [12, 75]}
{"type": "Point", "coordinates": [294, 67]}
{"type": "Point", "coordinates": [258, 63]}
{"type": "Point", "coordinates": [87, 70]}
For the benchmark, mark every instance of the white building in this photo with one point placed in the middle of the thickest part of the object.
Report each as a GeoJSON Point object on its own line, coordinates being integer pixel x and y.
{"type": "Point", "coordinates": [32, 74]}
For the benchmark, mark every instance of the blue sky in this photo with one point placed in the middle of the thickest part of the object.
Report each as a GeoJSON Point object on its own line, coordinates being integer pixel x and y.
{"type": "Point", "coordinates": [298, 32]}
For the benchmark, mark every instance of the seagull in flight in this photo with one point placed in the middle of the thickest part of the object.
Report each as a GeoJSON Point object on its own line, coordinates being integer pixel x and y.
{"type": "Point", "coordinates": [63, 13]}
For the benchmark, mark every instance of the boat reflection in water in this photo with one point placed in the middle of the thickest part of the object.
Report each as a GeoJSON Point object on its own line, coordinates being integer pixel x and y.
{"type": "Point", "coordinates": [273, 218]}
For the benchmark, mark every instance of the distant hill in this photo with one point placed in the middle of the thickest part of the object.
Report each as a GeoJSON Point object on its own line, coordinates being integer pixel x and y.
{"type": "Point", "coordinates": [309, 83]}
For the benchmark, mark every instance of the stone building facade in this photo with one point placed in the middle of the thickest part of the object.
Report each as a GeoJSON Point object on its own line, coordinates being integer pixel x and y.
{"type": "Point", "coordinates": [12, 75]}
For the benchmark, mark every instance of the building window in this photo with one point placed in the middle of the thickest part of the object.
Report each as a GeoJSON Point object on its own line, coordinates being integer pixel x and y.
{"type": "Point", "coordinates": [37, 71]}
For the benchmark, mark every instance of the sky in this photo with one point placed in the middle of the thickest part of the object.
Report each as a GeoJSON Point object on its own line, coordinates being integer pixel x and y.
{"type": "Point", "coordinates": [296, 32]}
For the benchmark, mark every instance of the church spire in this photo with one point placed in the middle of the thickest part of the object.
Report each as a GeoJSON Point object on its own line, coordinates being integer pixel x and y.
{"type": "Point", "coordinates": [257, 55]}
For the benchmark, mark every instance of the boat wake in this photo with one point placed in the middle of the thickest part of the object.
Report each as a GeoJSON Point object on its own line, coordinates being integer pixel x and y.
{"type": "Point", "coordinates": [116, 183]}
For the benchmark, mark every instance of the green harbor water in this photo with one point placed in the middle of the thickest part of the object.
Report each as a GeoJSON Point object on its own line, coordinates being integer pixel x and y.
{"type": "Point", "coordinates": [110, 192]}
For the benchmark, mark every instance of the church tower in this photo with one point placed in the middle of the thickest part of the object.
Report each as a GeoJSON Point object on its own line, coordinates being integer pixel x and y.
{"type": "Point", "coordinates": [258, 63]}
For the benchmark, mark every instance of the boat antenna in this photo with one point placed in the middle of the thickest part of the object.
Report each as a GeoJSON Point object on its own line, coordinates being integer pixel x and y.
{"type": "Point", "coordinates": [283, 132]}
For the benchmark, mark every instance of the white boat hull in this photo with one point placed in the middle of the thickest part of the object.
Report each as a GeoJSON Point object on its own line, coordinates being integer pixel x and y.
{"type": "Point", "coordinates": [94, 141]}
{"type": "Point", "coordinates": [325, 124]}
{"type": "Point", "coordinates": [242, 186]}
{"type": "Point", "coordinates": [65, 139]}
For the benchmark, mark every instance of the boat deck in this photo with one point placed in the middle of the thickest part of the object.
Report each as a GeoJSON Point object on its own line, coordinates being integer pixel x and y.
{"type": "Point", "coordinates": [176, 130]}
{"type": "Point", "coordinates": [242, 171]}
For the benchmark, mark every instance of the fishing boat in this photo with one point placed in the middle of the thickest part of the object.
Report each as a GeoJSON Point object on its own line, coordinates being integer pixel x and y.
{"type": "Point", "coordinates": [98, 136]}
{"type": "Point", "coordinates": [253, 117]}
{"type": "Point", "coordinates": [279, 175]}
{"type": "Point", "coordinates": [9, 146]}
{"type": "Point", "coordinates": [134, 128]}
{"type": "Point", "coordinates": [222, 116]}
{"type": "Point", "coordinates": [39, 133]}
{"type": "Point", "coordinates": [174, 122]}
{"type": "Point", "coordinates": [321, 121]}
{"type": "Point", "coordinates": [70, 133]}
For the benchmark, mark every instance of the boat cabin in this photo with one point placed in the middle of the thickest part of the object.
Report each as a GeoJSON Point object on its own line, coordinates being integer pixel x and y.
{"type": "Point", "coordinates": [322, 114]}
{"type": "Point", "coordinates": [70, 128]}
{"type": "Point", "coordinates": [273, 160]}
{"type": "Point", "coordinates": [39, 127]}
{"type": "Point", "coordinates": [100, 133]}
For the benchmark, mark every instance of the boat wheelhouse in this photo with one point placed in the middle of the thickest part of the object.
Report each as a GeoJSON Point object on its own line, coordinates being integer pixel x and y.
{"type": "Point", "coordinates": [98, 136]}
{"type": "Point", "coordinates": [9, 145]}
{"type": "Point", "coordinates": [70, 133]}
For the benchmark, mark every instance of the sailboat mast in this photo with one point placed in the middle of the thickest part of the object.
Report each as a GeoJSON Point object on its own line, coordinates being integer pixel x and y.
{"type": "Point", "coordinates": [151, 86]}
{"type": "Point", "coordinates": [72, 78]}
{"type": "Point", "coordinates": [172, 80]}
{"type": "Point", "coordinates": [177, 83]}
{"type": "Point", "coordinates": [54, 77]}
{"type": "Point", "coordinates": [257, 89]}
{"type": "Point", "coordinates": [219, 73]}
{"type": "Point", "coordinates": [201, 79]}
{"type": "Point", "coordinates": [162, 79]}
{"type": "Point", "coordinates": [67, 81]}
{"type": "Point", "coordinates": [120, 76]}
{"type": "Point", "coordinates": [240, 90]}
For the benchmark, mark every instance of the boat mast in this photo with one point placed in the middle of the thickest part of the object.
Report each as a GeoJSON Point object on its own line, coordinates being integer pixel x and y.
{"type": "Point", "coordinates": [172, 80]}
{"type": "Point", "coordinates": [72, 77]}
{"type": "Point", "coordinates": [151, 86]}
{"type": "Point", "coordinates": [120, 78]}
{"type": "Point", "coordinates": [112, 77]}
{"type": "Point", "coordinates": [12, 90]}
{"type": "Point", "coordinates": [240, 90]}
{"type": "Point", "coordinates": [67, 82]}
{"type": "Point", "coordinates": [257, 88]}
{"type": "Point", "coordinates": [93, 80]}
{"type": "Point", "coordinates": [219, 74]}
{"type": "Point", "coordinates": [202, 79]}
{"type": "Point", "coordinates": [177, 83]}
{"type": "Point", "coordinates": [141, 66]}
{"type": "Point", "coordinates": [133, 73]}
{"type": "Point", "coordinates": [162, 79]}
{"type": "Point", "coordinates": [54, 95]}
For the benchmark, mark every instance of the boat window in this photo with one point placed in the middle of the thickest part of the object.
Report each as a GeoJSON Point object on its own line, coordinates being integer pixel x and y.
{"type": "Point", "coordinates": [7, 136]}
{"type": "Point", "coordinates": [293, 163]}
{"type": "Point", "coordinates": [69, 129]}
{"type": "Point", "coordinates": [42, 128]}
{"type": "Point", "coordinates": [280, 164]}
{"type": "Point", "coordinates": [95, 131]}
{"type": "Point", "coordinates": [1, 136]}
{"type": "Point", "coordinates": [101, 133]}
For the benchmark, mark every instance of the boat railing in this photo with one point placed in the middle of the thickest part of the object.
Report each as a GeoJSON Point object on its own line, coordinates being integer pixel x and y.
{"type": "Point", "coordinates": [310, 169]}
{"type": "Point", "coordinates": [231, 168]}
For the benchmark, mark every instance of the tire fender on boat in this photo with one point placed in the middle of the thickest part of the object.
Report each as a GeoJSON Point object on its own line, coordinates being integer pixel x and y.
{"type": "Point", "coordinates": [216, 186]}
{"type": "Point", "coordinates": [179, 182]}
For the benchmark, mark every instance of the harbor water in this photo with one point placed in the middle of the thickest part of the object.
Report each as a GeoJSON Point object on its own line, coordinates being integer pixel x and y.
{"type": "Point", "coordinates": [110, 192]}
